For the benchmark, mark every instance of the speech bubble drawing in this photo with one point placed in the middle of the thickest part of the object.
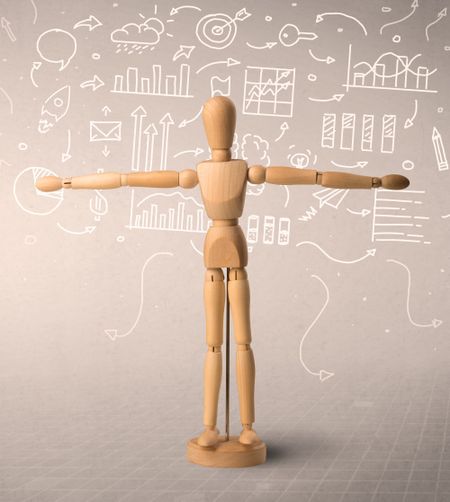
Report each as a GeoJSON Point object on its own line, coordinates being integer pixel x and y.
{"type": "Point", "coordinates": [57, 46]}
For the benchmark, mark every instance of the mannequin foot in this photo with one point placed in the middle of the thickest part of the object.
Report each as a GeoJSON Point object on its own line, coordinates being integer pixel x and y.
{"type": "Point", "coordinates": [209, 437]}
{"type": "Point", "coordinates": [248, 436]}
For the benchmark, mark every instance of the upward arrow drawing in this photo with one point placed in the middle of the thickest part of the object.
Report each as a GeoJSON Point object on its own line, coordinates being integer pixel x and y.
{"type": "Point", "coordinates": [166, 122]}
{"type": "Point", "coordinates": [150, 133]}
{"type": "Point", "coordinates": [138, 115]}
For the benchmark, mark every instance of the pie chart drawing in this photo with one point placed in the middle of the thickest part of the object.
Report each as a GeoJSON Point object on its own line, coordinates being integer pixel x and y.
{"type": "Point", "coordinates": [29, 198]}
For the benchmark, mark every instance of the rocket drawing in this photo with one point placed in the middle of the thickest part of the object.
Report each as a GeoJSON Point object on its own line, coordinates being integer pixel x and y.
{"type": "Point", "coordinates": [54, 109]}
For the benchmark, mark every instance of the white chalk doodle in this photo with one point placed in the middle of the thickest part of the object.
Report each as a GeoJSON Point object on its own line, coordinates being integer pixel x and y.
{"type": "Point", "coordinates": [414, 6]}
{"type": "Point", "coordinates": [227, 62]}
{"type": "Point", "coordinates": [113, 334]}
{"type": "Point", "coordinates": [441, 15]}
{"type": "Point", "coordinates": [290, 35]}
{"type": "Point", "coordinates": [87, 230]}
{"type": "Point", "coordinates": [368, 253]}
{"type": "Point", "coordinates": [434, 323]}
{"type": "Point", "coordinates": [6, 25]}
{"type": "Point", "coordinates": [319, 19]}
{"type": "Point", "coordinates": [218, 31]}
{"type": "Point", "coordinates": [57, 46]}
{"type": "Point", "coordinates": [54, 108]}
{"type": "Point", "coordinates": [322, 374]}
{"type": "Point", "coordinates": [91, 23]}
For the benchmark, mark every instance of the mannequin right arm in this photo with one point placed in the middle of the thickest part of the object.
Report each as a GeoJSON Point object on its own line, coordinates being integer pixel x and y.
{"type": "Point", "coordinates": [154, 179]}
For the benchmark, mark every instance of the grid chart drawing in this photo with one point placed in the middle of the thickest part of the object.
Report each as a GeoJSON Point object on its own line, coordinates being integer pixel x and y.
{"type": "Point", "coordinates": [269, 91]}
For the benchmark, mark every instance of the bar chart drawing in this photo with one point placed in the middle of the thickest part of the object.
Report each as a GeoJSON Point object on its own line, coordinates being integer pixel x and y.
{"type": "Point", "coordinates": [158, 84]}
{"type": "Point", "coordinates": [389, 72]}
{"type": "Point", "coordinates": [184, 215]}
{"type": "Point", "coordinates": [397, 217]}
{"type": "Point", "coordinates": [349, 131]}
{"type": "Point", "coordinates": [272, 233]}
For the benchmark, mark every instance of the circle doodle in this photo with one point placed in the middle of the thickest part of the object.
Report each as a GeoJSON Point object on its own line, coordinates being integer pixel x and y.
{"type": "Point", "coordinates": [408, 165]}
{"type": "Point", "coordinates": [216, 31]}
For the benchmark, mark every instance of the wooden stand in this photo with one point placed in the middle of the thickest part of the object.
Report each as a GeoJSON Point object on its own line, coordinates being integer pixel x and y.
{"type": "Point", "coordinates": [229, 452]}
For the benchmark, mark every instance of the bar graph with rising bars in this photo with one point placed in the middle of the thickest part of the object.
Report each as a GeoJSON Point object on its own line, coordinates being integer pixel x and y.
{"type": "Point", "coordinates": [157, 84]}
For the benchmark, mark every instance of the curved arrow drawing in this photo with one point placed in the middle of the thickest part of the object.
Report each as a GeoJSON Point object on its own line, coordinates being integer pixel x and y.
{"type": "Point", "coordinates": [363, 212]}
{"type": "Point", "coordinates": [228, 62]}
{"type": "Point", "coordinates": [369, 252]}
{"type": "Point", "coordinates": [441, 14]}
{"type": "Point", "coordinates": [195, 248]}
{"type": "Point", "coordinates": [283, 128]}
{"type": "Point", "coordinates": [35, 66]}
{"type": "Point", "coordinates": [435, 323]}
{"type": "Point", "coordinates": [327, 60]}
{"type": "Point", "coordinates": [7, 96]}
{"type": "Point", "coordinates": [335, 97]}
{"type": "Point", "coordinates": [322, 374]}
{"type": "Point", "coordinates": [65, 156]}
{"type": "Point", "coordinates": [87, 230]}
{"type": "Point", "coordinates": [360, 163]}
{"type": "Point", "coordinates": [267, 45]}
{"type": "Point", "coordinates": [409, 122]}
{"type": "Point", "coordinates": [185, 122]}
{"type": "Point", "coordinates": [414, 6]}
{"type": "Point", "coordinates": [112, 333]}
{"type": "Point", "coordinates": [319, 18]}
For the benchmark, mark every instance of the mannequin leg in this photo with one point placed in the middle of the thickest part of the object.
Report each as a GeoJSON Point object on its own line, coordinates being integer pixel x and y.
{"type": "Point", "coordinates": [214, 298]}
{"type": "Point", "coordinates": [239, 296]}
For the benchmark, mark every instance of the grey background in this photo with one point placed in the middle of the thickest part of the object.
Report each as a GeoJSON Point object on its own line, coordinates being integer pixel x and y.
{"type": "Point", "coordinates": [87, 417]}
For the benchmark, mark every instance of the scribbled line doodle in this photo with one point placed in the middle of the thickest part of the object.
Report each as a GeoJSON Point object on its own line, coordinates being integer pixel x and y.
{"type": "Point", "coordinates": [435, 323]}
{"type": "Point", "coordinates": [54, 108]}
{"type": "Point", "coordinates": [441, 14]}
{"type": "Point", "coordinates": [368, 253]}
{"type": "Point", "coordinates": [134, 37]}
{"type": "Point", "coordinates": [91, 23]}
{"type": "Point", "coordinates": [57, 46]}
{"type": "Point", "coordinates": [184, 215]}
{"type": "Point", "coordinates": [66, 155]}
{"type": "Point", "coordinates": [220, 86]}
{"type": "Point", "coordinates": [87, 230]}
{"type": "Point", "coordinates": [390, 71]}
{"type": "Point", "coordinates": [105, 130]}
{"type": "Point", "coordinates": [218, 31]}
{"type": "Point", "coordinates": [414, 6]}
{"type": "Point", "coordinates": [290, 35]}
{"type": "Point", "coordinates": [6, 25]}
{"type": "Point", "coordinates": [113, 333]}
{"type": "Point", "coordinates": [10, 101]}
{"type": "Point", "coordinates": [409, 122]}
{"type": "Point", "coordinates": [322, 374]}
{"type": "Point", "coordinates": [271, 232]}
{"type": "Point", "coordinates": [157, 84]}
{"type": "Point", "coordinates": [348, 125]}
{"type": "Point", "coordinates": [439, 150]}
{"type": "Point", "coordinates": [30, 199]}
{"type": "Point", "coordinates": [319, 19]}
{"type": "Point", "coordinates": [395, 217]}
{"type": "Point", "coordinates": [269, 91]}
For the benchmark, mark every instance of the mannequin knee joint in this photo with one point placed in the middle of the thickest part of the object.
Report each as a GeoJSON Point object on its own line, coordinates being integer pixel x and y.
{"type": "Point", "coordinates": [237, 274]}
{"type": "Point", "coordinates": [214, 274]}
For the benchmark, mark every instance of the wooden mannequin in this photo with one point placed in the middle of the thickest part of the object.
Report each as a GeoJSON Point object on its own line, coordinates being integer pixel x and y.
{"type": "Point", "coordinates": [223, 185]}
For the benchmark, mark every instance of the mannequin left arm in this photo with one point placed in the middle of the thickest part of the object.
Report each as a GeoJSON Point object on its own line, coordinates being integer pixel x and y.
{"type": "Point", "coordinates": [283, 175]}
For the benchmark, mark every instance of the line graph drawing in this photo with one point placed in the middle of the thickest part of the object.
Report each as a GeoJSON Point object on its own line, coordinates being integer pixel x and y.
{"type": "Point", "coordinates": [435, 323]}
{"type": "Point", "coordinates": [157, 84]}
{"type": "Point", "coordinates": [322, 374]}
{"type": "Point", "coordinates": [390, 71]}
{"type": "Point", "coordinates": [113, 334]}
{"type": "Point", "coordinates": [395, 218]}
{"type": "Point", "coordinates": [218, 31]}
{"type": "Point", "coordinates": [269, 91]}
{"type": "Point", "coordinates": [358, 131]}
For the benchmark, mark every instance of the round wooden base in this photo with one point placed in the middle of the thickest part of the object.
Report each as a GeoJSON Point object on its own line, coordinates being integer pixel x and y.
{"type": "Point", "coordinates": [229, 453]}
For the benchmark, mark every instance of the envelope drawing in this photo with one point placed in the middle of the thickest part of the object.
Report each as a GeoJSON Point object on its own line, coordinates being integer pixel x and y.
{"type": "Point", "coordinates": [105, 130]}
